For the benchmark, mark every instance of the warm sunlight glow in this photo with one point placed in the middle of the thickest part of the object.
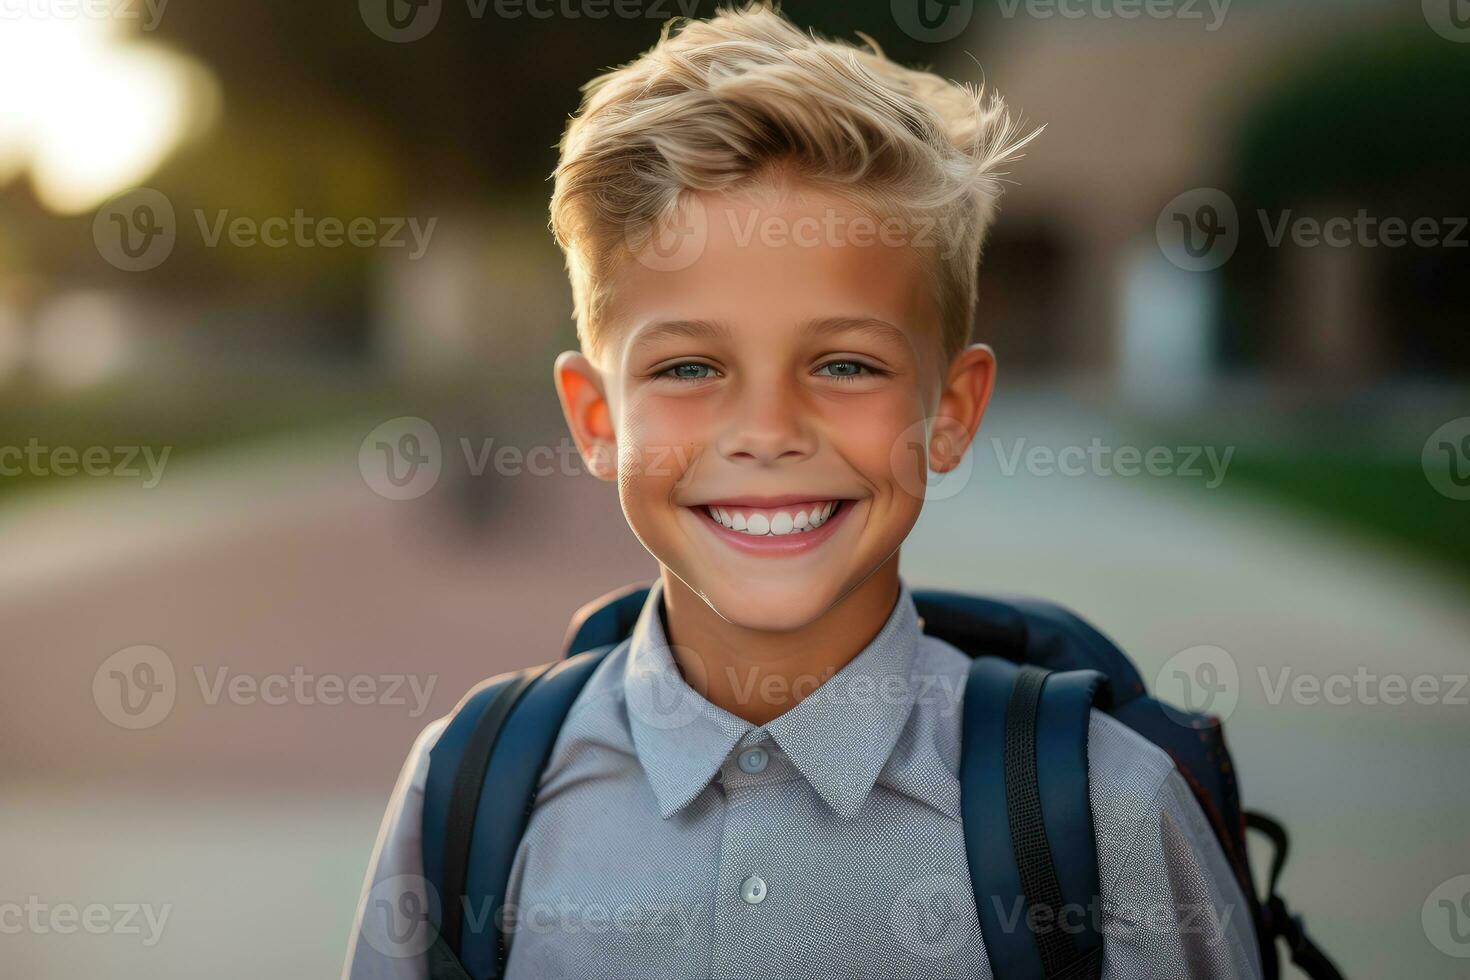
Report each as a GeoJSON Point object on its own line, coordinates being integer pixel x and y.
{"type": "Point", "coordinates": [89, 112]}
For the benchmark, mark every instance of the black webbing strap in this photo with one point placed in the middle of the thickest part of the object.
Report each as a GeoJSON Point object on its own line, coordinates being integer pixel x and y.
{"type": "Point", "coordinates": [464, 803]}
{"type": "Point", "coordinates": [1280, 922]}
{"type": "Point", "coordinates": [1059, 956]}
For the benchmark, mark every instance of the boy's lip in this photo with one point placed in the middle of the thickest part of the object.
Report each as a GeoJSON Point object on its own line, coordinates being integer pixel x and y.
{"type": "Point", "coordinates": [776, 500]}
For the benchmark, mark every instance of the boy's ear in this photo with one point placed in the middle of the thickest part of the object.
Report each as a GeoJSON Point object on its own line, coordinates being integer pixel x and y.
{"type": "Point", "coordinates": [962, 403]}
{"type": "Point", "coordinates": [584, 403]}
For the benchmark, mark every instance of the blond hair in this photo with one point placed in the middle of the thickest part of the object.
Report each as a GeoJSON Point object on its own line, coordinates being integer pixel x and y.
{"type": "Point", "coordinates": [719, 104]}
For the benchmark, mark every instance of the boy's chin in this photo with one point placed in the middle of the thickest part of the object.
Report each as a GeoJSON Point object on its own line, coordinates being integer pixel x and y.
{"type": "Point", "coordinates": [773, 606]}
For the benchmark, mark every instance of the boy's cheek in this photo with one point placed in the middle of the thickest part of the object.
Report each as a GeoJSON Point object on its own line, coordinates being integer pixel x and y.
{"type": "Point", "coordinates": [659, 442]}
{"type": "Point", "coordinates": [665, 458]}
{"type": "Point", "coordinates": [886, 445]}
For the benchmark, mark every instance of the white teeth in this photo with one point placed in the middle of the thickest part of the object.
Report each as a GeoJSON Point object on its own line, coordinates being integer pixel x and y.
{"type": "Point", "coordinates": [773, 521]}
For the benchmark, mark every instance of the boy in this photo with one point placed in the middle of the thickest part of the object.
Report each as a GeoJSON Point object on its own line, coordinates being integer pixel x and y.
{"type": "Point", "coordinates": [772, 242]}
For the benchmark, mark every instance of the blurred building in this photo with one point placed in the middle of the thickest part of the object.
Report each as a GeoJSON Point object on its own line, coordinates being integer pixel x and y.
{"type": "Point", "coordinates": [1270, 109]}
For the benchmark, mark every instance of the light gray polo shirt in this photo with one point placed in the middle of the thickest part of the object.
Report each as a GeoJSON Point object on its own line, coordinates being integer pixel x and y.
{"type": "Point", "coordinates": [672, 839]}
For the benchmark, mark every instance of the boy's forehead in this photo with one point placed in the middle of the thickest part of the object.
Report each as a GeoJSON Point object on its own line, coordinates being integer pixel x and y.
{"type": "Point", "coordinates": [754, 262]}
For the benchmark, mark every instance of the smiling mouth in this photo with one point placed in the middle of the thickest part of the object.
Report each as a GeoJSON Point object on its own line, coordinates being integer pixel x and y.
{"type": "Point", "coordinates": [790, 519]}
{"type": "Point", "coordinates": [785, 525]}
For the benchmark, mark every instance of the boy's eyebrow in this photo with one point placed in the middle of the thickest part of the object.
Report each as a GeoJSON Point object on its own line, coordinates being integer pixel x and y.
{"type": "Point", "coordinates": [660, 329]}
{"type": "Point", "coordinates": [881, 329]}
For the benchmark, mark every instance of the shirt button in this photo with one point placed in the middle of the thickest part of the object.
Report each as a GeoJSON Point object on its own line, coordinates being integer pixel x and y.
{"type": "Point", "coordinates": [754, 760]}
{"type": "Point", "coordinates": [753, 890]}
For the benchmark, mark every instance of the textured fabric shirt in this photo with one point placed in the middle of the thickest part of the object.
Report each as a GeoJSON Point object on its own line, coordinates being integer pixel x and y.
{"type": "Point", "coordinates": [671, 838]}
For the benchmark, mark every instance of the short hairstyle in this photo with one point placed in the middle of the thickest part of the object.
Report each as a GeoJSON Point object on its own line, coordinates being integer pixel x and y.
{"type": "Point", "coordinates": [721, 104]}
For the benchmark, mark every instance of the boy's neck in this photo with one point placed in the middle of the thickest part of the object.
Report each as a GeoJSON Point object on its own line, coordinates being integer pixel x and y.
{"type": "Point", "coordinates": [759, 675]}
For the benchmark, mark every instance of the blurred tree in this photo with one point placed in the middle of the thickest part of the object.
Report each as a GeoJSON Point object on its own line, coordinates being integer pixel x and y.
{"type": "Point", "coordinates": [1379, 124]}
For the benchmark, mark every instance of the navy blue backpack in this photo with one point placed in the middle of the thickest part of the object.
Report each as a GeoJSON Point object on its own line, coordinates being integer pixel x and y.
{"type": "Point", "coordinates": [1038, 671]}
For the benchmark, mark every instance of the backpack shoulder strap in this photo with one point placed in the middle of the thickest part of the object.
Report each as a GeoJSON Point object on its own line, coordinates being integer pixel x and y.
{"type": "Point", "coordinates": [501, 736]}
{"type": "Point", "coordinates": [1028, 819]}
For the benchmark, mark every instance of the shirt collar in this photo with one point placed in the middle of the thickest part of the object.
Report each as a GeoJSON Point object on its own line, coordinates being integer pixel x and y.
{"type": "Point", "coordinates": [838, 736]}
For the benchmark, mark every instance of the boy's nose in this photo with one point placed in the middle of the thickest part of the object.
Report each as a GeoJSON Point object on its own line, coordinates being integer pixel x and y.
{"type": "Point", "coordinates": [765, 427]}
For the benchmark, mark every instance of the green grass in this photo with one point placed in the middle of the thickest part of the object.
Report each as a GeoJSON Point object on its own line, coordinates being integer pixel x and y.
{"type": "Point", "coordinates": [1389, 499]}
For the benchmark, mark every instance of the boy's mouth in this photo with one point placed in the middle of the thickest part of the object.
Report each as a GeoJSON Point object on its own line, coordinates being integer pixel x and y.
{"type": "Point", "coordinates": [775, 521]}
{"type": "Point", "coordinates": [774, 526]}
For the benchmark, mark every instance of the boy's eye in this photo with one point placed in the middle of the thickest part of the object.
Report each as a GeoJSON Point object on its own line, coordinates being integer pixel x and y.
{"type": "Point", "coordinates": [843, 370]}
{"type": "Point", "coordinates": [688, 371]}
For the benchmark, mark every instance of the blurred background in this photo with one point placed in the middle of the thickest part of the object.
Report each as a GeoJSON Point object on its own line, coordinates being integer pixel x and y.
{"type": "Point", "coordinates": [282, 472]}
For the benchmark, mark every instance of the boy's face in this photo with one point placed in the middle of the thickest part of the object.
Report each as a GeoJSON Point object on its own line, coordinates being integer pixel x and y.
{"type": "Point", "coordinates": [772, 404]}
